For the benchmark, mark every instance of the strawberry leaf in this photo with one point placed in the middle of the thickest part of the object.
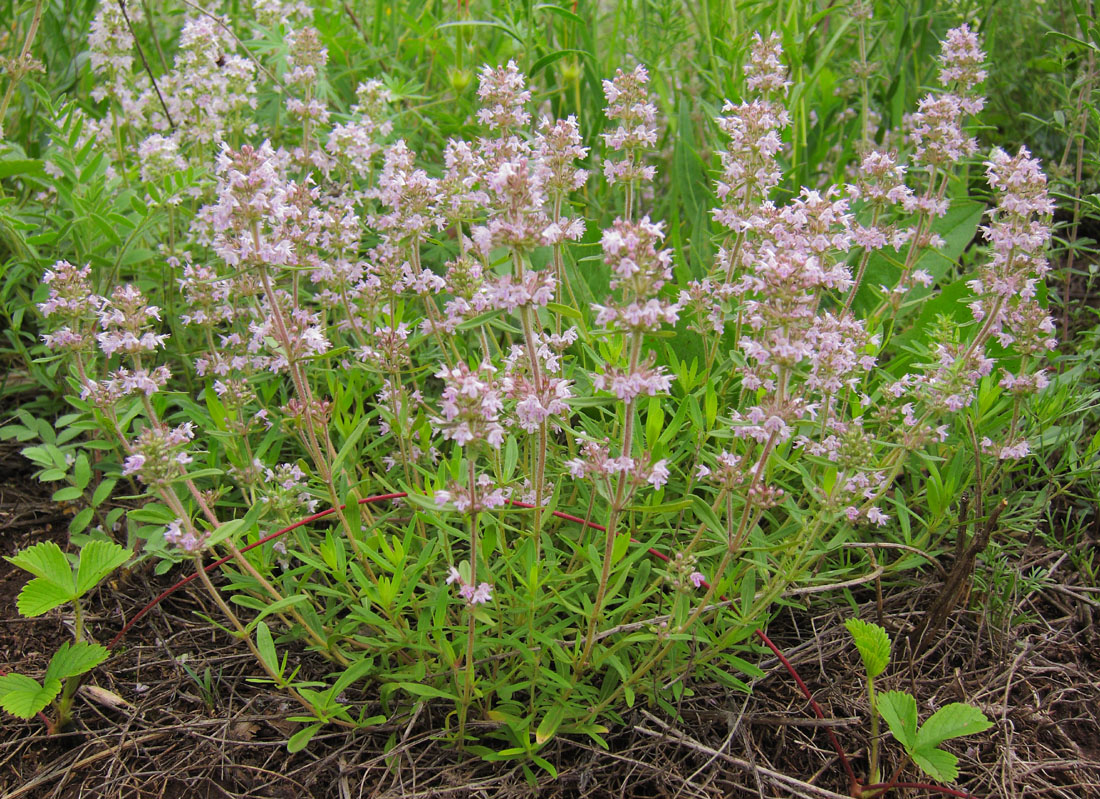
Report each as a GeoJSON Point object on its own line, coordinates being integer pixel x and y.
{"type": "Point", "coordinates": [936, 763]}
{"type": "Point", "coordinates": [23, 697]}
{"type": "Point", "coordinates": [40, 596]}
{"type": "Point", "coordinates": [873, 644]}
{"type": "Point", "coordinates": [46, 561]}
{"type": "Point", "coordinates": [951, 721]}
{"type": "Point", "coordinates": [899, 709]}
{"type": "Point", "coordinates": [69, 661]}
{"type": "Point", "coordinates": [97, 560]}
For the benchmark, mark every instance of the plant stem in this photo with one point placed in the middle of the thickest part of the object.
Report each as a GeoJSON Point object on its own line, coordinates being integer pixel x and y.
{"type": "Point", "coordinates": [468, 685]}
{"type": "Point", "coordinates": [613, 513]}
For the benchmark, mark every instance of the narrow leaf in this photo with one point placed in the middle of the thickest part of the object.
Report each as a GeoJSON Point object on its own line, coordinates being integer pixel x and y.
{"type": "Point", "coordinates": [265, 645]}
{"type": "Point", "coordinates": [299, 740]}
{"type": "Point", "coordinates": [549, 725]}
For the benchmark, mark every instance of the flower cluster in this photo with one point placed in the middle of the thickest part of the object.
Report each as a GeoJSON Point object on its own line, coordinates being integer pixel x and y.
{"type": "Point", "coordinates": [284, 491]}
{"type": "Point", "coordinates": [749, 167]}
{"type": "Point", "coordinates": [158, 455]}
{"type": "Point", "coordinates": [72, 300]}
{"type": "Point", "coordinates": [629, 104]}
{"type": "Point", "coordinates": [182, 533]}
{"type": "Point", "coordinates": [210, 88]}
{"type": "Point", "coordinates": [638, 269]}
{"type": "Point", "coordinates": [937, 128]}
{"type": "Point", "coordinates": [356, 143]}
{"type": "Point", "coordinates": [596, 461]}
{"type": "Point", "coordinates": [474, 595]}
{"type": "Point", "coordinates": [125, 322]}
{"type": "Point", "coordinates": [471, 403]}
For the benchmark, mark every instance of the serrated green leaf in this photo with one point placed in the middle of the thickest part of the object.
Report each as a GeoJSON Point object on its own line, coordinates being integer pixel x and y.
{"type": "Point", "coordinates": [936, 763]}
{"type": "Point", "coordinates": [873, 644]}
{"type": "Point", "coordinates": [81, 657]}
{"type": "Point", "coordinates": [97, 560]}
{"type": "Point", "coordinates": [899, 709]}
{"type": "Point", "coordinates": [46, 561]}
{"type": "Point", "coordinates": [951, 721]}
{"type": "Point", "coordinates": [41, 596]}
{"type": "Point", "coordinates": [23, 697]}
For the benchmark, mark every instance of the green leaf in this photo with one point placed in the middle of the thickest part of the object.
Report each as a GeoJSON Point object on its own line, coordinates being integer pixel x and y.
{"type": "Point", "coordinates": [265, 645]}
{"type": "Point", "coordinates": [550, 58]}
{"type": "Point", "coordinates": [23, 697]}
{"type": "Point", "coordinates": [561, 12]}
{"type": "Point", "coordinates": [67, 494]}
{"type": "Point", "coordinates": [349, 444]}
{"type": "Point", "coordinates": [417, 689]}
{"type": "Point", "coordinates": [81, 521]}
{"type": "Point", "coordinates": [46, 560]}
{"type": "Point", "coordinates": [937, 764]}
{"type": "Point", "coordinates": [873, 644]}
{"type": "Point", "coordinates": [549, 725]}
{"type": "Point", "coordinates": [620, 547]}
{"type": "Point", "coordinates": [53, 581]}
{"type": "Point", "coordinates": [299, 740]}
{"type": "Point", "coordinates": [545, 765]}
{"type": "Point", "coordinates": [97, 560]}
{"type": "Point", "coordinates": [153, 513]}
{"type": "Point", "coordinates": [478, 23]}
{"type": "Point", "coordinates": [82, 472]}
{"type": "Point", "coordinates": [899, 709]}
{"type": "Point", "coordinates": [280, 605]}
{"type": "Point", "coordinates": [951, 721]}
{"type": "Point", "coordinates": [564, 310]}
{"type": "Point", "coordinates": [355, 672]}
{"type": "Point", "coordinates": [41, 596]}
{"type": "Point", "coordinates": [81, 657]}
{"type": "Point", "coordinates": [102, 491]}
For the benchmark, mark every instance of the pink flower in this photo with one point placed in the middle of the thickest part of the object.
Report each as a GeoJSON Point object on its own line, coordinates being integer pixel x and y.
{"type": "Point", "coordinates": [658, 474]}
{"type": "Point", "coordinates": [876, 516]}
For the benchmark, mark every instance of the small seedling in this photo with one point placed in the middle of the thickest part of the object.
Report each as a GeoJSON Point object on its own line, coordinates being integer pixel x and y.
{"type": "Point", "coordinates": [899, 709]}
{"type": "Point", "coordinates": [54, 583]}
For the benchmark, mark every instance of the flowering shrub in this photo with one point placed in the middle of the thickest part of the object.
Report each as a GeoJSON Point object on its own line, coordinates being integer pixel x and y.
{"type": "Point", "coordinates": [338, 317]}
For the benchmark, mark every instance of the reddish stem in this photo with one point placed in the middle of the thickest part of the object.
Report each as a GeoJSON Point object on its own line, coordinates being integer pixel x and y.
{"type": "Point", "coordinates": [883, 787]}
{"type": "Point", "coordinates": [853, 782]}
{"type": "Point", "coordinates": [320, 515]}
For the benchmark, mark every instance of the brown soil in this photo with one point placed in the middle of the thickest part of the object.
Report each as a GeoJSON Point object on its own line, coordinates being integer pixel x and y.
{"type": "Point", "coordinates": [1035, 673]}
